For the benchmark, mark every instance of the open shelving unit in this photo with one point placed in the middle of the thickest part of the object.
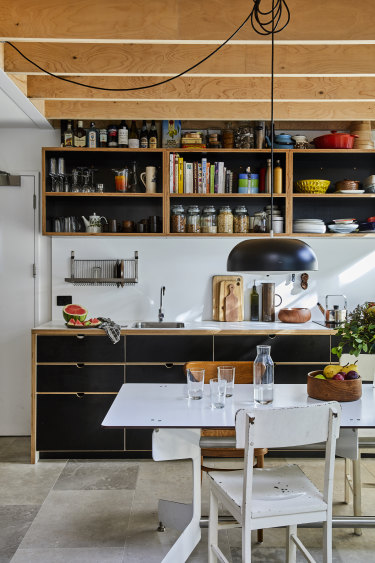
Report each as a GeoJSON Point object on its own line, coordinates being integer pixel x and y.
{"type": "Point", "coordinates": [334, 165]}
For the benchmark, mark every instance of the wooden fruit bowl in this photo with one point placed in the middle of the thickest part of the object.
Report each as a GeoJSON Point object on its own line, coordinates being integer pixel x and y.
{"type": "Point", "coordinates": [333, 390]}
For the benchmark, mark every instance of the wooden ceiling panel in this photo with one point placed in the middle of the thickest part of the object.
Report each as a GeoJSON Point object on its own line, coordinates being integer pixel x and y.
{"type": "Point", "coordinates": [199, 88]}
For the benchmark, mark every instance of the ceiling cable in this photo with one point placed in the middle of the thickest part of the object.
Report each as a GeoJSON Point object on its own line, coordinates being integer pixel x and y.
{"type": "Point", "coordinates": [260, 22]}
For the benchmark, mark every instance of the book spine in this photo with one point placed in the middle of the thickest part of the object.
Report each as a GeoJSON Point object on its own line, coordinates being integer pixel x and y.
{"type": "Point", "coordinates": [212, 179]}
{"type": "Point", "coordinates": [208, 169]}
{"type": "Point", "coordinates": [180, 175]}
{"type": "Point", "coordinates": [189, 178]}
{"type": "Point", "coordinates": [204, 175]}
{"type": "Point", "coordinates": [216, 181]}
{"type": "Point", "coordinates": [171, 172]}
{"type": "Point", "coordinates": [199, 178]}
{"type": "Point", "coordinates": [195, 177]}
{"type": "Point", "coordinates": [175, 178]}
{"type": "Point", "coordinates": [184, 179]}
{"type": "Point", "coordinates": [220, 179]}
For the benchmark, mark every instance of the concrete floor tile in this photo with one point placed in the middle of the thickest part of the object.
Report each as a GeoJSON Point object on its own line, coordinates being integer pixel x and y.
{"type": "Point", "coordinates": [78, 555]}
{"type": "Point", "coordinates": [23, 483]}
{"type": "Point", "coordinates": [14, 523]}
{"type": "Point", "coordinates": [148, 546]}
{"type": "Point", "coordinates": [97, 475]}
{"type": "Point", "coordinates": [15, 449]}
{"type": "Point", "coordinates": [70, 519]}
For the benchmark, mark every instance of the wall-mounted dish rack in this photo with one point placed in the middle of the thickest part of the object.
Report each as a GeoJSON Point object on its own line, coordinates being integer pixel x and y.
{"type": "Point", "coordinates": [103, 272]}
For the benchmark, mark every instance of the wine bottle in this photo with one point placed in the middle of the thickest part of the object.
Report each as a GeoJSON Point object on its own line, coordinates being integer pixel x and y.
{"type": "Point", "coordinates": [143, 138]}
{"type": "Point", "coordinates": [68, 135]}
{"type": "Point", "coordinates": [92, 136]}
{"type": "Point", "coordinates": [123, 135]}
{"type": "Point", "coordinates": [133, 136]}
{"type": "Point", "coordinates": [112, 135]}
{"type": "Point", "coordinates": [254, 304]}
{"type": "Point", "coordinates": [80, 135]}
{"type": "Point", "coordinates": [153, 136]}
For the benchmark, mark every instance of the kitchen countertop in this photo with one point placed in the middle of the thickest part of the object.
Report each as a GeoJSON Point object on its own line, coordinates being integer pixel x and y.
{"type": "Point", "coordinates": [203, 327]}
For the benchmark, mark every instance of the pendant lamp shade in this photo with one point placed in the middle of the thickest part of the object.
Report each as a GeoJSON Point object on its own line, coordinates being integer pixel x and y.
{"type": "Point", "coordinates": [272, 255]}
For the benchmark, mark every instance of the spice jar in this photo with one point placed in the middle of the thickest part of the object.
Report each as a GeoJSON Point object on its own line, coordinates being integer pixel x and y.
{"type": "Point", "coordinates": [241, 219]}
{"type": "Point", "coordinates": [178, 219]}
{"type": "Point", "coordinates": [209, 220]}
{"type": "Point", "coordinates": [228, 137]}
{"type": "Point", "coordinates": [193, 219]}
{"type": "Point", "coordinates": [225, 220]}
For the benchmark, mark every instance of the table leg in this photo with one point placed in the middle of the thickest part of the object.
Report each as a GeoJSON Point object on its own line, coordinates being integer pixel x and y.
{"type": "Point", "coordinates": [357, 504]}
{"type": "Point", "coordinates": [176, 443]}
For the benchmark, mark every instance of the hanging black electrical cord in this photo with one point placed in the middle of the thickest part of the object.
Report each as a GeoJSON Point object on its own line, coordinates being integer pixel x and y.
{"type": "Point", "coordinates": [256, 17]}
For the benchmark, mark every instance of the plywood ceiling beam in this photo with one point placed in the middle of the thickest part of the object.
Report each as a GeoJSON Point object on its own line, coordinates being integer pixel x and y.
{"type": "Point", "coordinates": [199, 110]}
{"type": "Point", "coordinates": [199, 88]}
{"type": "Point", "coordinates": [175, 19]}
{"type": "Point", "coordinates": [92, 58]}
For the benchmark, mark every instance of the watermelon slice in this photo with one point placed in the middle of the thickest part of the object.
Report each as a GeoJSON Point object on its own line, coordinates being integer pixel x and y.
{"type": "Point", "coordinates": [71, 322]}
{"type": "Point", "coordinates": [95, 322]}
{"type": "Point", "coordinates": [78, 323]}
{"type": "Point", "coordinates": [76, 312]}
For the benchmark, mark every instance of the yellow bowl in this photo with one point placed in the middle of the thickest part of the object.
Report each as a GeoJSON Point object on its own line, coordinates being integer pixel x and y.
{"type": "Point", "coordinates": [312, 186]}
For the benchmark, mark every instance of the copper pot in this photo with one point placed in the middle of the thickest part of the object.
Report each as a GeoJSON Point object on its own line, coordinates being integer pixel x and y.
{"type": "Point", "coordinates": [294, 315]}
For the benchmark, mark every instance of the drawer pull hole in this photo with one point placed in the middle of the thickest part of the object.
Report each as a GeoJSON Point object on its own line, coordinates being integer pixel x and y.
{"type": "Point", "coordinates": [272, 336]}
{"type": "Point", "coordinates": [80, 395]}
{"type": "Point", "coordinates": [169, 365]}
{"type": "Point", "coordinates": [80, 336]}
{"type": "Point", "coordinates": [80, 366]}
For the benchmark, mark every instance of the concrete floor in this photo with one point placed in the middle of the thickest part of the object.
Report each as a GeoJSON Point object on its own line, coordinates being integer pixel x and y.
{"type": "Point", "coordinates": [99, 511]}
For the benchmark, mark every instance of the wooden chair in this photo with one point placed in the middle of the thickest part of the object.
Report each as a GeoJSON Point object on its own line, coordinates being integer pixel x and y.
{"type": "Point", "coordinates": [278, 496]}
{"type": "Point", "coordinates": [243, 374]}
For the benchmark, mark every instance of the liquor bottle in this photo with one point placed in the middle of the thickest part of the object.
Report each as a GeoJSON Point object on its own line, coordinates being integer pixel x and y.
{"type": "Point", "coordinates": [68, 135]}
{"type": "Point", "coordinates": [143, 137]}
{"type": "Point", "coordinates": [153, 136]}
{"type": "Point", "coordinates": [268, 176]}
{"type": "Point", "coordinates": [92, 136]}
{"type": "Point", "coordinates": [278, 178]}
{"type": "Point", "coordinates": [80, 135]}
{"type": "Point", "coordinates": [103, 137]}
{"type": "Point", "coordinates": [123, 135]}
{"type": "Point", "coordinates": [254, 304]}
{"type": "Point", "coordinates": [133, 136]}
{"type": "Point", "coordinates": [112, 135]}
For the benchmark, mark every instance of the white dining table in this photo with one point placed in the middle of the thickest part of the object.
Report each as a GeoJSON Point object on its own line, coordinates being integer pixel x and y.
{"type": "Point", "coordinates": [177, 421]}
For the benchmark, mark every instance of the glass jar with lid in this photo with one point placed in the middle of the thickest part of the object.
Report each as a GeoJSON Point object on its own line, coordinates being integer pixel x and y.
{"type": "Point", "coordinates": [209, 220]}
{"type": "Point", "coordinates": [178, 219]}
{"type": "Point", "coordinates": [193, 220]}
{"type": "Point", "coordinates": [225, 220]}
{"type": "Point", "coordinates": [241, 219]}
{"type": "Point", "coordinates": [260, 222]}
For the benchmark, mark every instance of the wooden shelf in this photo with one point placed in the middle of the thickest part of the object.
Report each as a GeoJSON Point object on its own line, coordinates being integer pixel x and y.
{"type": "Point", "coordinates": [235, 195]}
{"type": "Point", "coordinates": [97, 194]}
{"type": "Point", "coordinates": [335, 235]}
{"type": "Point", "coordinates": [336, 195]}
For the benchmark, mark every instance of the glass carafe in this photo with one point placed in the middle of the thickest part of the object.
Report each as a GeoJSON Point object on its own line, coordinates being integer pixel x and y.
{"type": "Point", "coordinates": [263, 376]}
{"type": "Point", "coordinates": [134, 183]}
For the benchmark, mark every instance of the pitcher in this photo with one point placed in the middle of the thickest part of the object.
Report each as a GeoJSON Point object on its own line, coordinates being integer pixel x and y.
{"type": "Point", "coordinates": [268, 302]}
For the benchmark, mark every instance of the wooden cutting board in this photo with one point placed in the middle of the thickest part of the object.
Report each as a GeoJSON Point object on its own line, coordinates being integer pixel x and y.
{"type": "Point", "coordinates": [220, 291]}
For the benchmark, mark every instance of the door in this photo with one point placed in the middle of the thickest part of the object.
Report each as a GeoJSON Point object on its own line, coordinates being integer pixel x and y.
{"type": "Point", "coordinates": [17, 303]}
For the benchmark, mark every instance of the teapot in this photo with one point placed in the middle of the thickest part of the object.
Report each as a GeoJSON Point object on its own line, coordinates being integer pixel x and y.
{"type": "Point", "coordinates": [94, 223]}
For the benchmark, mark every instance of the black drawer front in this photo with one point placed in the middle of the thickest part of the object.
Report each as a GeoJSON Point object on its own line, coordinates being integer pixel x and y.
{"type": "Point", "coordinates": [155, 374]}
{"type": "Point", "coordinates": [294, 374]}
{"type": "Point", "coordinates": [288, 348]}
{"type": "Point", "coordinates": [168, 348]}
{"type": "Point", "coordinates": [138, 440]}
{"type": "Point", "coordinates": [80, 378]}
{"type": "Point", "coordinates": [67, 422]}
{"type": "Point", "coordinates": [79, 348]}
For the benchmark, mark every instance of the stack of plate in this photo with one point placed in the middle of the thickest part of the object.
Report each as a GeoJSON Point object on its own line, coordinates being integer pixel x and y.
{"type": "Point", "coordinates": [343, 226]}
{"type": "Point", "coordinates": [316, 226]}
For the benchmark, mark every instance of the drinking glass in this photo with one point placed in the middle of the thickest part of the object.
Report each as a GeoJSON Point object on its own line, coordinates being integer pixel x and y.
{"type": "Point", "coordinates": [227, 373]}
{"type": "Point", "coordinates": [195, 382]}
{"type": "Point", "coordinates": [218, 393]}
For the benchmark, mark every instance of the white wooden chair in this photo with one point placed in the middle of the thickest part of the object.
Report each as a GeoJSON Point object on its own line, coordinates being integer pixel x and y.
{"type": "Point", "coordinates": [277, 496]}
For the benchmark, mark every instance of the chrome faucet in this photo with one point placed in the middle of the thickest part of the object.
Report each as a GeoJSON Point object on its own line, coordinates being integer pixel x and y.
{"type": "Point", "coordinates": [161, 314]}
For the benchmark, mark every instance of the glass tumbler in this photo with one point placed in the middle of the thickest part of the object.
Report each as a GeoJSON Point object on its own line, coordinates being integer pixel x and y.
{"type": "Point", "coordinates": [195, 382]}
{"type": "Point", "coordinates": [227, 373]}
{"type": "Point", "coordinates": [218, 393]}
{"type": "Point", "coordinates": [263, 376]}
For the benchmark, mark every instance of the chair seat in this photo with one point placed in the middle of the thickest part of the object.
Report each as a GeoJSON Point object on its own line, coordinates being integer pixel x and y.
{"type": "Point", "coordinates": [291, 491]}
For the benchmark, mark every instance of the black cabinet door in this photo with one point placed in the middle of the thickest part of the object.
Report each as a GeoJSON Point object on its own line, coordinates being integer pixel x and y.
{"type": "Point", "coordinates": [138, 440]}
{"type": "Point", "coordinates": [168, 373]}
{"type": "Point", "coordinates": [168, 348]}
{"type": "Point", "coordinates": [80, 378]}
{"type": "Point", "coordinates": [293, 373]}
{"type": "Point", "coordinates": [69, 422]}
{"type": "Point", "coordinates": [79, 348]}
{"type": "Point", "coordinates": [284, 348]}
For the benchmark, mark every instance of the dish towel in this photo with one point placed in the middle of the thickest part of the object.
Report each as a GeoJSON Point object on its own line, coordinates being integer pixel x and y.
{"type": "Point", "coordinates": [112, 329]}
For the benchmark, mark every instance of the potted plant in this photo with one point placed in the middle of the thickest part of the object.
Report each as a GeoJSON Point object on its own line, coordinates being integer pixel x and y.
{"type": "Point", "coordinates": [357, 340]}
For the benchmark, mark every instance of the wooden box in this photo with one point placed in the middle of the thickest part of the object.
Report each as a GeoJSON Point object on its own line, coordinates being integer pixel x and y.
{"type": "Point", "coordinates": [333, 390]}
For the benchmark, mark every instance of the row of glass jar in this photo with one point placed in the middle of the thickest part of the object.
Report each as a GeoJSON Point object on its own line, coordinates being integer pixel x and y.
{"type": "Point", "coordinates": [225, 221]}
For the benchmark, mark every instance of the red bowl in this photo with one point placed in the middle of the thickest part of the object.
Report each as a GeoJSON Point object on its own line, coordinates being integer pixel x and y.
{"type": "Point", "coordinates": [335, 141]}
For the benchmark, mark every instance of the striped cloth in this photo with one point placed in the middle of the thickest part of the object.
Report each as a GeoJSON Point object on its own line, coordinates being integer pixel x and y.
{"type": "Point", "coordinates": [112, 329]}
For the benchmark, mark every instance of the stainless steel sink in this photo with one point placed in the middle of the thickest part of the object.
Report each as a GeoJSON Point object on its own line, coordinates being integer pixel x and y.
{"type": "Point", "coordinates": [152, 324]}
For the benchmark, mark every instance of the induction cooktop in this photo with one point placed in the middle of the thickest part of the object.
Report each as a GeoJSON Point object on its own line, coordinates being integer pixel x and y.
{"type": "Point", "coordinates": [328, 325]}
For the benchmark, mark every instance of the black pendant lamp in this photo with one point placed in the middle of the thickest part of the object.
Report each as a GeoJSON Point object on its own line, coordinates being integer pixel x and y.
{"type": "Point", "coordinates": [271, 254]}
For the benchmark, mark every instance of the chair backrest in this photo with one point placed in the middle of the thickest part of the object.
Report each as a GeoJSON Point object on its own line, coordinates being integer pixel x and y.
{"type": "Point", "coordinates": [289, 426]}
{"type": "Point", "coordinates": [244, 370]}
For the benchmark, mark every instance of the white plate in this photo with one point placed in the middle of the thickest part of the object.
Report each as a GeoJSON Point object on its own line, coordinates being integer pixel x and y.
{"type": "Point", "coordinates": [349, 191]}
{"type": "Point", "coordinates": [344, 221]}
{"type": "Point", "coordinates": [313, 221]}
{"type": "Point", "coordinates": [343, 228]}
{"type": "Point", "coordinates": [314, 230]}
